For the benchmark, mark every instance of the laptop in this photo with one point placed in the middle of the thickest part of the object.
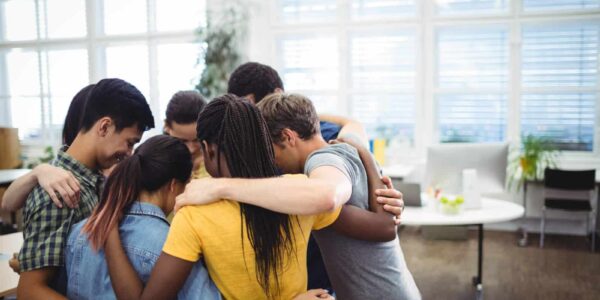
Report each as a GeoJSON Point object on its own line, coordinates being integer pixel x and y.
{"type": "Point", "coordinates": [411, 192]}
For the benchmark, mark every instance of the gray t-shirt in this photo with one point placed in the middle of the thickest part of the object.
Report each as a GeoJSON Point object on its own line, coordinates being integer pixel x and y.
{"type": "Point", "coordinates": [359, 269]}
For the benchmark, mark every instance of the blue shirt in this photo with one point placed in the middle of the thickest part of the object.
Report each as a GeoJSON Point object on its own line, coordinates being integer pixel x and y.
{"type": "Point", "coordinates": [143, 232]}
{"type": "Point", "coordinates": [329, 131]}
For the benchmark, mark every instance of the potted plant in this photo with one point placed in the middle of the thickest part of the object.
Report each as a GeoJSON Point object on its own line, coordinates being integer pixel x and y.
{"type": "Point", "coordinates": [535, 155]}
{"type": "Point", "coordinates": [221, 55]}
{"type": "Point", "coordinates": [48, 157]}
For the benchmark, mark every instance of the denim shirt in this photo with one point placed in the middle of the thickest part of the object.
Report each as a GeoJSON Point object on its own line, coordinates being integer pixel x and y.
{"type": "Point", "coordinates": [143, 232]}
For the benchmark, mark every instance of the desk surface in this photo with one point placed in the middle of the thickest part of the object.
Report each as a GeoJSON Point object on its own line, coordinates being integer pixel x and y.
{"type": "Point", "coordinates": [8, 176]}
{"type": "Point", "coordinates": [491, 211]}
{"type": "Point", "coordinates": [9, 244]}
{"type": "Point", "coordinates": [397, 171]}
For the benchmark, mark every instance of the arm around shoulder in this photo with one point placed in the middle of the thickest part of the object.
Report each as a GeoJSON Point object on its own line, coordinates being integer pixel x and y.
{"type": "Point", "coordinates": [296, 195]}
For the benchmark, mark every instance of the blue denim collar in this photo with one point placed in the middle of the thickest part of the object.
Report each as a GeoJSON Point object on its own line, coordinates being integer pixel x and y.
{"type": "Point", "coordinates": [146, 209]}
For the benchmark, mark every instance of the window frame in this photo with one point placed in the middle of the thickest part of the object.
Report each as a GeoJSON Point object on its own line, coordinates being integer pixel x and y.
{"type": "Point", "coordinates": [426, 21]}
{"type": "Point", "coordinates": [96, 43]}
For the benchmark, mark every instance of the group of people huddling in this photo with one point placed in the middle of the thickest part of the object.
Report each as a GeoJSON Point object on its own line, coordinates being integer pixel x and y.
{"type": "Point", "coordinates": [282, 203]}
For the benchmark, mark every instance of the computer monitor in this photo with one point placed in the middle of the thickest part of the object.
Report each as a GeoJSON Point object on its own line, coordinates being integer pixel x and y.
{"type": "Point", "coordinates": [445, 163]}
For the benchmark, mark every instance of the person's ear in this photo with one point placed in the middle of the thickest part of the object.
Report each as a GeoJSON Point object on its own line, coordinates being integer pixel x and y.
{"type": "Point", "coordinates": [104, 124]}
{"type": "Point", "coordinates": [172, 186]}
{"type": "Point", "coordinates": [167, 128]}
{"type": "Point", "coordinates": [289, 137]}
{"type": "Point", "coordinates": [209, 150]}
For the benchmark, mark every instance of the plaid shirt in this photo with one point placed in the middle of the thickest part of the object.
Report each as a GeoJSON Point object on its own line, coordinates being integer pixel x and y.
{"type": "Point", "coordinates": [47, 226]}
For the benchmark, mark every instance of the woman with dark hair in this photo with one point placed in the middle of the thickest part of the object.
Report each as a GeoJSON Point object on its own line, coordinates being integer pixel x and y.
{"type": "Point", "coordinates": [250, 252]}
{"type": "Point", "coordinates": [137, 196]}
{"type": "Point", "coordinates": [55, 181]}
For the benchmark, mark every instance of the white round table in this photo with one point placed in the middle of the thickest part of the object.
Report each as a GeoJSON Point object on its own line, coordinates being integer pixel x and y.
{"type": "Point", "coordinates": [491, 211]}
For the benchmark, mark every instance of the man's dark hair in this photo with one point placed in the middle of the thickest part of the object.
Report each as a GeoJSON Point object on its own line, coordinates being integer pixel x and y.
{"type": "Point", "coordinates": [74, 115]}
{"type": "Point", "coordinates": [254, 78]}
{"type": "Point", "coordinates": [184, 107]}
{"type": "Point", "coordinates": [119, 100]}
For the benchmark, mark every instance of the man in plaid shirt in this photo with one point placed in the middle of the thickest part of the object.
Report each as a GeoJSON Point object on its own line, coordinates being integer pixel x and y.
{"type": "Point", "coordinates": [115, 116]}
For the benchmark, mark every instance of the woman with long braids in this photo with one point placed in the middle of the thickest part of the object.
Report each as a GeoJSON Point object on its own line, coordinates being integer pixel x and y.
{"type": "Point", "coordinates": [250, 252]}
{"type": "Point", "coordinates": [138, 194]}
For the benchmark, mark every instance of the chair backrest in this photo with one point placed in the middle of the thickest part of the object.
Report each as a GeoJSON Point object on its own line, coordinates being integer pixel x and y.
{"type": "Point", "coordinates": [570, 180]}
{"type": "Point", "coordinates": [569, 185]}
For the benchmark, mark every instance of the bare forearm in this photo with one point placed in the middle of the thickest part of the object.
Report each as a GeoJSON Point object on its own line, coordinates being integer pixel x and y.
{"type": "Point", "coordinates": [299, 196]}
{"type": "Point", "coordinates": [15, 196]}
{"type": "Point", "coordinates": [355, 129]}
{"type": "Point", "coordinates": [124, 279]}
{"type": "Point", "coordinates": [35, 284]}
{"type": "Point", "coordinates": [364, 225]}
{"type": "Point", "coordinates": [374, 225]}
{"type": "Point", "coordinates": [349, 126]}
{"type": "Point", "coordinates": [39, 291]}
{"type": "Point", "coordinates": [374, 181]}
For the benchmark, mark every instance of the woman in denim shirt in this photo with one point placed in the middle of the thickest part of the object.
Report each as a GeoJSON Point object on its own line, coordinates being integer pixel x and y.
{"type": "Point", "coordinates": [140, 192]}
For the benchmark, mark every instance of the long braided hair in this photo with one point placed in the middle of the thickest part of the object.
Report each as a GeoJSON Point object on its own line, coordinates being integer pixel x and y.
{"type": "Point", "coordinates": [241, 135]}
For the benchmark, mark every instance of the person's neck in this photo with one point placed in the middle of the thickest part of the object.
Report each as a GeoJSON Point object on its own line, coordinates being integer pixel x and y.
{"type": "Point", "coordinates": [311, 145]}
{"type": "Point", "coordinates": [82, 150]}
{"type": "Point", "coordinates": [153, 198]}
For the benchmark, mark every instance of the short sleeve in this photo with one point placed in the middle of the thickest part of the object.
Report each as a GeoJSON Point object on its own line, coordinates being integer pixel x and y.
{"type": "Point", "coordinates": [325, 219]}
{"type": "Point", "coordinates": [45, 233]}
{"type": "Point", "coordinates": [322, 159]}
{"type": "Point", "coordinates": [182, 241]}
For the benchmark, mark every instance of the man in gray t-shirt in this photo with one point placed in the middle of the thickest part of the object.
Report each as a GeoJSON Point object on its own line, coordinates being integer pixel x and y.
{"type": "Point", "coordinates": [359, 269]}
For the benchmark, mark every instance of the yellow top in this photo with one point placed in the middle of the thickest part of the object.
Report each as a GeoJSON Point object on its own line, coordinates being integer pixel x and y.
{"type": "Point", "coordinates": [214, 232]}
{"type": "Point", "coordinates": [200, 172]}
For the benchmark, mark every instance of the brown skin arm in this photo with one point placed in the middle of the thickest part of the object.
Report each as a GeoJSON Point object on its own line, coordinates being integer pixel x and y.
{"type": "Point", "coordinates": [376, 224]}
{"type": "Point", "coordinates": [35, 284]}
{"type": "Point", "coordinates": [167, 278]}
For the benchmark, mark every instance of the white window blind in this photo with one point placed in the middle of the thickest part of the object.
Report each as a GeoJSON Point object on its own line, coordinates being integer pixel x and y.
{"type": "Point", "coordinates": [558, 5]}
{"type": "Point", "coordinates": [372, 9]}
{"type": "Point", "coordinates": [301, 11]}
{"type": "Point", "coordinates": [463, 7]}
{"type": "Point", "coordinates": [309, 65]}
{"type": "Point", "coordinates": [383, 83]}
{"type": "Point", "coordinates": [472, 80]}
{"type": "Point", "coordinates": [567, 120]}
{"type": "Point", "coordinates": [464, 77]}
{"type": "Point", "coordinates": [560, 83]}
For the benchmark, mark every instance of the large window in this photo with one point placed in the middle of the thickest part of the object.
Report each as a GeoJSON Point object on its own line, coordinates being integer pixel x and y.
{"type": "Point", "coordinates": [560, 82]}
{"type": "Point", "coordinates": [50, 49]}
{"type": "Point", "coordinates": [436, 71]}
{"type": "Point", "coordinates": [472, 83]}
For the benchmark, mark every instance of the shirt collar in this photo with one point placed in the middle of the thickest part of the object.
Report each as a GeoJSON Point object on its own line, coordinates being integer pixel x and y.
{"type": "Point", "coordinates": [67, 162]}
{"type": "Point", "coordinates": [146, 209]}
